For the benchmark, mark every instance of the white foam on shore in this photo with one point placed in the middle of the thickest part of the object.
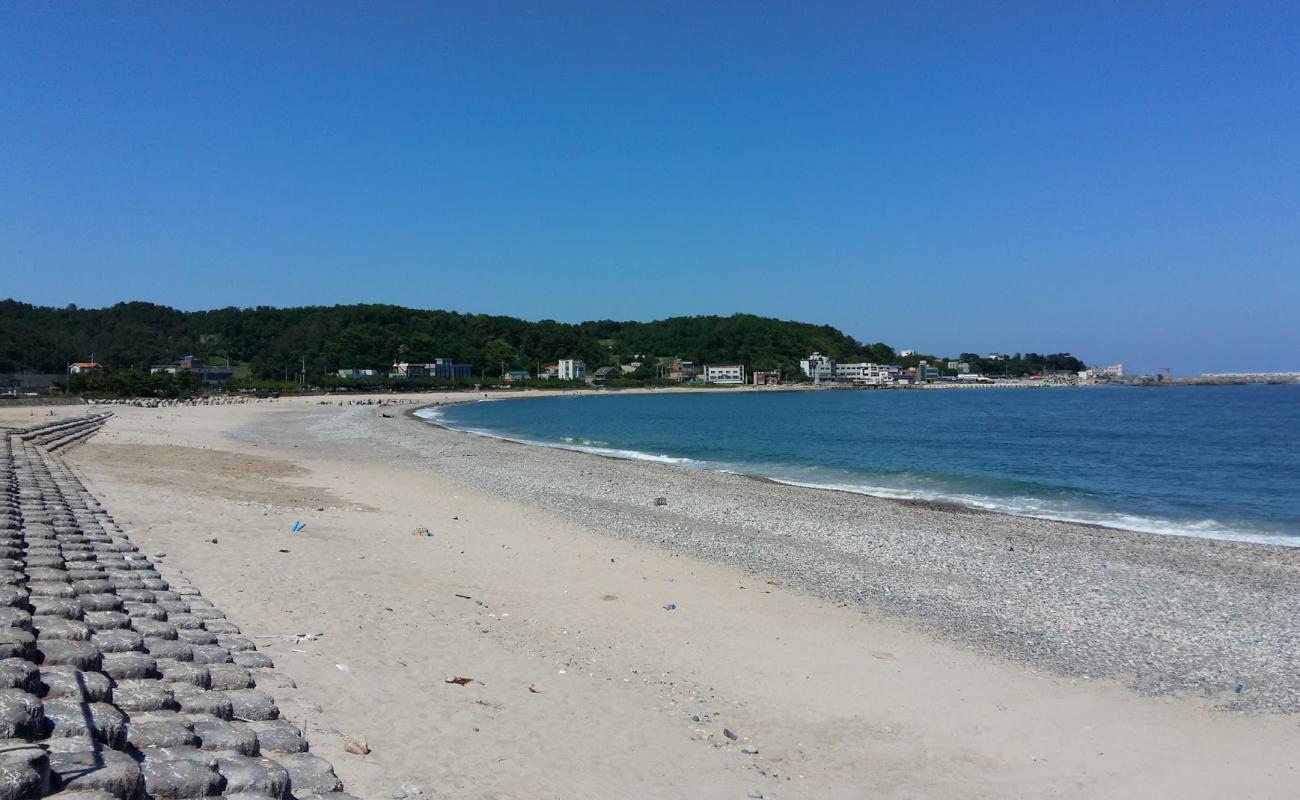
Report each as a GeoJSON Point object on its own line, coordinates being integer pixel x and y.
{"type": "Point", "coordinates": [591, 446]}
{"type": "Point", "coordinates": [1036, 509]}
{"type": "Point", "coordinates": [1012, 506]}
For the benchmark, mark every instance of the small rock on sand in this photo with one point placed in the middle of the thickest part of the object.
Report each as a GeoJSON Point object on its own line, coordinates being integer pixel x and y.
{"type": "Point", "coordinates": [356, 745]}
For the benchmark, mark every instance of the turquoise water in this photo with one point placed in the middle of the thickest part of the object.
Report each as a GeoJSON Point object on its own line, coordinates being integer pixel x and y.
{"type": "Point", "coordinates": [1211, 461]}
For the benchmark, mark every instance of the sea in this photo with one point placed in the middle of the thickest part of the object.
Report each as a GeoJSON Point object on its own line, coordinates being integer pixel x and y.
{"type": "Point", "coordinates": [1213, 461]}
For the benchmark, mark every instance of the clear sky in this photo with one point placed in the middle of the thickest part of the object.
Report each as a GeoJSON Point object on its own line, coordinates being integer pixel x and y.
{"type": "Point", "coordinates": [1117, 179]}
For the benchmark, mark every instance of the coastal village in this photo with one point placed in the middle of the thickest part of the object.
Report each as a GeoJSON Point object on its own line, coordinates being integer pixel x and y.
{"type": "Point", "coordinates": [815, 370]}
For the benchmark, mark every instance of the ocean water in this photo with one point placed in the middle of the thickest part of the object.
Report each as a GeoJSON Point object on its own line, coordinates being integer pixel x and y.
{"type": "Point", "coordinates": [1220, 461]}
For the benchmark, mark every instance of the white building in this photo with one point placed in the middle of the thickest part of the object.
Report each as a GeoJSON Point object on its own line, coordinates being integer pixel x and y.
{"type": "Point", "coordinates": [864, 373]}
{"type": "Point", "coordinates": [724, 373]}
{"type": "Point", "coordinates": [572, 369]}
{"type": "Point", "coordinates": [818, 367]}
{"type": "Point", "coordinates": [906, 353]}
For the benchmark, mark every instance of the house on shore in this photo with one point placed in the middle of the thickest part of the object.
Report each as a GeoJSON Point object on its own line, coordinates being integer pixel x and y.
{"type": "Point", "coordinates": [28, 383]}
{"type": "Point", "coordinates": [79, 367]}
{"type": "Point", "coordinates": [442, 368]}
{"type": "Point", "coordinates": [767, 378]}
{"type": "Point", "coordinates": [514, 375]}
{"type": "Point", "coordinates": [572, 369]}
{"type": "Point", "coordinates": [864, 374]}
{"type": "Point", "coordinates": [818, 367]}
{"type": "Point", "coordinates": [603, 374]}
{"type": "Point", "coordinates": [195, 366]}
{"type": "Point", "coordinates": [729, 374]}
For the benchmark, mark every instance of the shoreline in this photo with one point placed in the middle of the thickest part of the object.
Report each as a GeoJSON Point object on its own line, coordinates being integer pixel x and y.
{"type": "Point", "coordinates": [954, 573]}
{"type": "Point", "coordinates": [954, 506]}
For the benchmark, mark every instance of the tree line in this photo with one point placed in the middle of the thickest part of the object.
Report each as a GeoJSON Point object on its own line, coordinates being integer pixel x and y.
{"type": "Point", "coordinates": [274, 343]}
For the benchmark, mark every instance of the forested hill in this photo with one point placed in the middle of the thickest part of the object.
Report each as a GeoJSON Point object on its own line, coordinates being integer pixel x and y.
{"type": "Point", "coordinates": [271, 340]}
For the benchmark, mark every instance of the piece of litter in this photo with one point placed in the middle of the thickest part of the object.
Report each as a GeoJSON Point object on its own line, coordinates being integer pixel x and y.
{"type": "Point", "coordinates": [459, 681]}
{"type": "Point", "coordinates": [298, 526]}
{"type": "Point", "coordinates": [534, 689]}
{"type": "Point", "coordinates": [343, 667]}
{"type": "Point", "coordinates": [670, 606]}
{"type": "Point", "coordinates": [284, 551]}
{"type": "Point", "coordinates": [1238, 688]}
{"type": "Point", "coordinates": [464, 597]}
{"type": "Point", "coordinates": [727, 733]}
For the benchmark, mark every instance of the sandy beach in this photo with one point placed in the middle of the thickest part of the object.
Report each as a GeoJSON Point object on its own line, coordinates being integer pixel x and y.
{"type": "Point", "coordinates": [851, 646]}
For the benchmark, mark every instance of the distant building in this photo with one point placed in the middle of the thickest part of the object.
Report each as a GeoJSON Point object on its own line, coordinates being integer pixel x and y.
{"type": "Point", "coordinates": [906, 353]}
{"type": "Point", "coordinates": [572, 369]}
{"type": "Point", "coordinates": [214, 375]}
{"type": "Point", "coordinates": [449, 370]}
{"type": "Point", "coordinates": [767, 378]}
{"type": "Point", "coordinates": [403, 369]}
{"type": "Point", "coordinates": [194, 366]}
{"type": "Point", "coordinates": [724, 373]}
{"type": "Point", "coordinates": [514, 375]}
{"type": "Point", "coordinates": [926, 373]}
{"type": "Point", "coordinates": [684, 371]}
{"type": "Point", "coordinates": [353, 374]}
{"type": "Point", "coordinates": [864, 373]}
{"type": "Point", "coordinates": [818, 367]}
{"type": "Point", "coordinates": [960, 367]}
{"type": "Point", "coordinates": [549, 372]}
{"type": "Point", "coordinates": [27, 383]}
{"type": "Point", "coordinates": [675, 368]}
{"type": "Point", "coordinates": [443, 368]}
{"type": "Point", "coordinates": [1113, 371]}
{"type": "Point", "coordinates": [78, 367]}
{"type": "Point", "coordinates": [998, 356]}
{"type": "Point", "coordinates": [603, 374]}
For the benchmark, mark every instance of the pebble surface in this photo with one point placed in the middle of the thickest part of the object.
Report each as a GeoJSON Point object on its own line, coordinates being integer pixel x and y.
{"type": "Point", "coordinates": [1165, 614]}
{"type": "Point", "coordinates": [100, 696]}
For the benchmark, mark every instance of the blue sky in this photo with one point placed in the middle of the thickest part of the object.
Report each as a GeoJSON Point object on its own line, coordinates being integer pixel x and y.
{"type": "Point", "coordinates": [1118, 180]}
